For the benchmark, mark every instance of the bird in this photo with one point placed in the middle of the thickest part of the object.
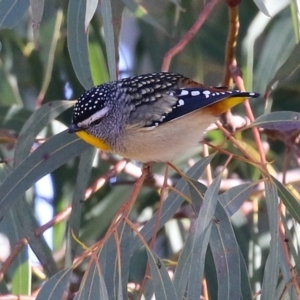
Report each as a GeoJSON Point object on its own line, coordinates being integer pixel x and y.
{"type": "Point", "coordinates": [153, 117]}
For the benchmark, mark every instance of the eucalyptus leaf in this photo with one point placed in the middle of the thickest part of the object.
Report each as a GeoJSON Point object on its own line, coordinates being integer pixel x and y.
{"type": "Point", "coordinates": [163, 287]}
{"type": "Point", "coordinates": [11, 12]}
{"type": "Point", "coordinates": [48, 157]}
{"type": "Point", "coordinates": [56, 287]}
{"type": "Point", "coordinates": [278, 120]}
{"type": "Point", "coordinates": [37, 8]}
{"type": "Point", "coordinates": [77, 39]}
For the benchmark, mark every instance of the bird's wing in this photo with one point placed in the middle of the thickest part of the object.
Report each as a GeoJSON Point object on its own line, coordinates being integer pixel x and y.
{"type": "Point", "coordinates": [178, 102]}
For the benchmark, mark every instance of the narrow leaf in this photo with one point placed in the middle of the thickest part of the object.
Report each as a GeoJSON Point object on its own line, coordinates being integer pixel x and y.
{"type": "Point", "coordinates": [163, 287]}
{"type": "Point", "coordinates": [37, 243]}
{"type": "Point", "coordinates": [13, 117]}
{"type": "Point", "coordinates": [93, 285]}
{"type": "Point", "coordinates": [287, 69]}
{"type": "Point", "coordinates": [83, 175]}
{"type": "Point", "coordinates": [183, 268]}
{"type": "Point", "coordinates": [141, 12]}
{"type": "Point", "coordinates": [279, 120]}
{"type": "Point", "coordinates": [288, 200]}
{"type": "Point", "coordinates": [21, 281]}
{"type": "Point", "coordinates": [11, 12]}
{"type": "Point", "coordinates": [174, 200]}
{"type": "Point", "coordinates": [47, 158]}
{"type": "Point", "coordinates": [201, 238]}
{"type": "Point", "coordinates": [78, 42]}
{"type": "Point", "coordinates": [271, 271]}
{"type": "Point", "coordinates": [56, 287]}
{"type": "Point", "coordinates": [246, 292]}
{"type": "Point", "coordinates": [262, 7]}
{"type": "Point", "coordinates": [91, 6]}
{"type": "Point", "coordinates": [37, 9]}
{"type": "Point", "coordinates": [226, 256]}
{"type": "Point", "coordinates": [233, 199]}
{"type": "Point", "coordinates": [37, 121]}
{"type": "Point", "coordinates": [116, 272]}
{"type": "Point", "coordinates": [111, 49]}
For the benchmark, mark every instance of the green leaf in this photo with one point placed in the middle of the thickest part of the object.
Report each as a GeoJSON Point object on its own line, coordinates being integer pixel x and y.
{"type": "Point", "coordinates": [37, 121]}
{"type": "Point", "coordinates": [111, 12]}
{"type": "Point", "coordinates": [280, 45]}
{"type": "Point", "coordinates": [78, 42]}
{"type": "Point", "coordinates": [37, 9]}
{"type": "Point", "coordinates": [103, 212]}
{"type": "Point", "coordinates": [140, 12]}
{"type": "Point", "coordinates": [262, 7]}
{"type": "Point", "coordinates": [233, 198]}
{"type": "Point", "coordinates": [174, 200]}
{"type": "Point", "coordinates": [28, 225]}
{"type": "Point", "coordinates": [10, 227]}
{"type": "Point", "coordinates": [21, 282]}
{"type": "Point", "coordinates": [116, 272]}
{"type": "Point", "coordinates": [278, 120]}
{"type": "Point", "coordinates": [297, 5]}
{"type": "Point", "coordinates": [11, 12]}
{"type": "Point", "coordinates": [183, 268]}
{"type": "Point", "coordinates": [13, 117]}
{"type": "Point", "coordinates": [271, 271]}
{"type": "Point", "coordinates": [201, 236]}
{"type": "Point", "coordinates": [83, 175]}
{"type": "Point", "coordinates": [163, 287]}
{"type": "Point", "coordinates": [288, 200]}
{"type": "Point", "coordinates": [97, 63]}
{"type": "Point", "coordinates": [20, 268]}
{"type": "Point", "coordinates": [226, 254]}
{"type": "Point", "coordinates": [245, 283]}
{"type": "Point", "coordinates": [289, 67]}
{"type": "Point", "coordinates": [91, 6]}
{"type": "Point", "coordinates": [49, 38]}
{"type": "Point", "coordinates": [92, 285]}
{"type": "Point", "coordinates": [47, 158]}
{"type": "Point", "coordinates": [56, 287]}
{"type": "Point", "coordinates": [9, 94]}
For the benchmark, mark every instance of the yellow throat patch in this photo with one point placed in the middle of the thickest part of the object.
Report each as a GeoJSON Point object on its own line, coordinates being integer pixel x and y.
{"type": "Point", "coordinates": [94, 141]}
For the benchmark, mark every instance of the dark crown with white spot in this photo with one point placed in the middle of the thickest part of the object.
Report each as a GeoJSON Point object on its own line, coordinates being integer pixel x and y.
{"type": "Point", "coordinates": [92, 101]}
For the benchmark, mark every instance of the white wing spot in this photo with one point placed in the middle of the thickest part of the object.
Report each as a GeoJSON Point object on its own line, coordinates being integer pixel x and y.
{"type": "Point", "coordinates": [184, 93]}
{"type": "Point", "coordinates": [180, 103]}
{"type": "Point", "coordinates": [251, 94]}
{"type": "Point", "coordinates": [195, 93]}
{"type": "Point", "coordinates": [206, 93]}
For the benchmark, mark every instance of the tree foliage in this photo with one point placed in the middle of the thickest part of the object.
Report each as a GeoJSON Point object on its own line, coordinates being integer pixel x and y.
{"type": "Point", "coordinates": [181, 234]}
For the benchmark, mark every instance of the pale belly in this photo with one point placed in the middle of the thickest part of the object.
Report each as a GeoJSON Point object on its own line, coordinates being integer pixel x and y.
{"type": "Point", "coordinates": [168, 141]}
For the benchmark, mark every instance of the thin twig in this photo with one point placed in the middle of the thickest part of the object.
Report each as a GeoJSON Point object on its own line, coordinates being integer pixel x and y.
{"type": "Point", "coordinates": [16, 250]}
{"type": "Point", "coordinates": [230, 61]}
{"type": "Point", "coordinates": [98, 184]}
{"type": "Point", "coordinates": [156, 227]}
{"type": "Point", "coordinates": [208, 8]}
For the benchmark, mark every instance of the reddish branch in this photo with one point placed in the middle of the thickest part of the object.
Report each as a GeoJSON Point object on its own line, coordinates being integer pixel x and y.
{"type": "Point", "coordinates": [208, 8]}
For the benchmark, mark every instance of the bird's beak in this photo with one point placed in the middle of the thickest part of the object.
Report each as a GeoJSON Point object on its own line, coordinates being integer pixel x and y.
{"type": "Point", "coordinates": [74, 128]}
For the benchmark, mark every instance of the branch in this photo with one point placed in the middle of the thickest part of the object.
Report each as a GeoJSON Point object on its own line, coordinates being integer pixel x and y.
{"type": "Point", "coordinates": [208, 8]}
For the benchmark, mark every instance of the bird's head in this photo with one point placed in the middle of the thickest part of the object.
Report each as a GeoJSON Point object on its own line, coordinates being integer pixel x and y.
{"type": "Point", "coordinates": [92, 107]}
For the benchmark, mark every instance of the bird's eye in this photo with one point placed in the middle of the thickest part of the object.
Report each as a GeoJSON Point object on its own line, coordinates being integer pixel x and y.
{"type": "Point", "coordinates": [96, 122]}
